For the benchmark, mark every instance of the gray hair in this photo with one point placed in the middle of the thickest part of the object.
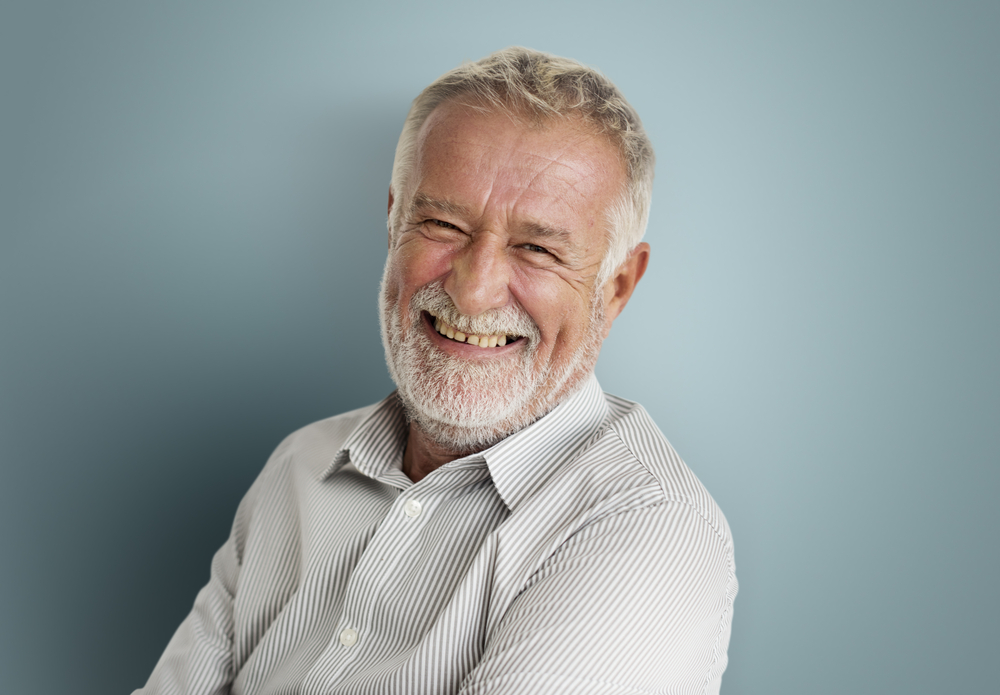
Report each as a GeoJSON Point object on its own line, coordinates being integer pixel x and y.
{"type": "Point", "coordinates": [523, 82]}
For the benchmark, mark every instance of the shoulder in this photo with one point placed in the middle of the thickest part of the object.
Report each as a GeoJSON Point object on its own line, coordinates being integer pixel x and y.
{"type": "Point", "coordinates": [623, 540]}
{"type": "Point", "coordinates": [324, 436]}
{"type": "Point", "coordinates": [311, 449]}
{"type": "Point", "coordinates": [625, 471]}
{"type": "Point", "coordinates": [635, 446]}
{"type": "Point", "coordinates": [297, 462]}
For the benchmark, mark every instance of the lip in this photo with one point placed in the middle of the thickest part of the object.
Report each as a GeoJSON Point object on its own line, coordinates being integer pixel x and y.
{"type": "Point", "coordinates": [464, 350]}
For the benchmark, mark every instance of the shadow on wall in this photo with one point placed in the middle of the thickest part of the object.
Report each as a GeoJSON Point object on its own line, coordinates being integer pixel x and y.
{"type": "Point", "coordinates": [178, 339]}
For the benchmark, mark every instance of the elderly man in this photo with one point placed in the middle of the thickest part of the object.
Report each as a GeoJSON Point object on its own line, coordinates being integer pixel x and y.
{"type": "Point", "coordinates": [498, 524]}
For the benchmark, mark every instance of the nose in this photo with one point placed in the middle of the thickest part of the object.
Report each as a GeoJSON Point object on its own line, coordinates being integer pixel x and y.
{"type": "Point", "coordinates": [479, 277]}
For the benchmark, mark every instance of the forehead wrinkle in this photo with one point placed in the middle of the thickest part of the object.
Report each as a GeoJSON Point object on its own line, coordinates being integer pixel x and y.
{"type": "Point", "coordinates": [569, 247]}
{"type": "Point", "coordinates": [584, 173]}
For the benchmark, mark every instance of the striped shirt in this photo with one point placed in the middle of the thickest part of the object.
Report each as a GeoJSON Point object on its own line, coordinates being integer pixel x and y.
{"type": "Point", "coordinates": [579, 555]}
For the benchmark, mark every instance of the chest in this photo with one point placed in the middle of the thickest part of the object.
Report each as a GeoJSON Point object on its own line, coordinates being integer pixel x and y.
{"type": "Point", "coordinates": [350, 585]}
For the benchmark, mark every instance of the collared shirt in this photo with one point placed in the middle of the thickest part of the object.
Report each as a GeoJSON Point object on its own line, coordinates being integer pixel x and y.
{"type": "Point", "coordinates": [579, 555]}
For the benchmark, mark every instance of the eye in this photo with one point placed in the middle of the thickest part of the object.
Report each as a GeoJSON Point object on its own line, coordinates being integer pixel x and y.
{"type": "Point", "coordinates": [534, 248]}
{"type": "Point", "coordinates": [446, 225]}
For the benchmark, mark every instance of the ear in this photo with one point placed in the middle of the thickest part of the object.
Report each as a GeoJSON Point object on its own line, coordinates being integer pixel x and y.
{"type": "Point", "coordinates": [620, 286]}
{"type": "Point", "coordinates": [388, 212]}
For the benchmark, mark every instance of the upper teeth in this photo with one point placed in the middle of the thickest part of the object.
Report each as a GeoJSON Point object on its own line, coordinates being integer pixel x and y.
{"type": "Point", "coordinates": [480, 340]}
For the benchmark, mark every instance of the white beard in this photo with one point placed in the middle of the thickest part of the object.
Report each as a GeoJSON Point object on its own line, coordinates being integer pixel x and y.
{"type": "Point", "coordinates": [466, 406]}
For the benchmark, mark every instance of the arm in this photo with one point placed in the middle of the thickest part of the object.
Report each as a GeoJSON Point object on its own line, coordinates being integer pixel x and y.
{"type": "Point", "coordinates": [637, 602]}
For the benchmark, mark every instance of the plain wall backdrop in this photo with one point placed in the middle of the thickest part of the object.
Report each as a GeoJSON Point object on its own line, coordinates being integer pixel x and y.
{"type": "Point", "coordinates": [192, 201]}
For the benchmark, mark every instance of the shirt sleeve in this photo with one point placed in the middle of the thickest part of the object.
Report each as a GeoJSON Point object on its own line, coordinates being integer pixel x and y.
{"type": "Point", "coordinates": [639, 602]}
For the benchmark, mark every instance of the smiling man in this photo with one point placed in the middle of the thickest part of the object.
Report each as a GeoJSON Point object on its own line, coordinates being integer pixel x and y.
{"type": "Point", "coordinates": [498, 524]}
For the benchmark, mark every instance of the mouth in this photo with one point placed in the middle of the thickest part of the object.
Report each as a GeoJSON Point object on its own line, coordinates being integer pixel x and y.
{"type": "Point", "coordinates": [484, 341]}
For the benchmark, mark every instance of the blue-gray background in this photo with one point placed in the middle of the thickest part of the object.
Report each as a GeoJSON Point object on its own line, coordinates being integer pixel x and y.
{"type": "Point", "coordinates": [193, 201]}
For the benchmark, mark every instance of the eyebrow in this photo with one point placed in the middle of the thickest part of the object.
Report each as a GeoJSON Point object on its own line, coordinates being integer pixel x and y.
{"type": "Point", "coordinates": [558, 234]}
{"type": "Point", "coordinates": [422, 201]}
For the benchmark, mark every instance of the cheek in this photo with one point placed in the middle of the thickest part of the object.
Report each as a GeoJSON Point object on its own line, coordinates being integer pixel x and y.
{"type": "Point", "coordinates": [420, 263]}
{"type": "Point", "coordinates": [394, 296]}
{"type": "Point", "coordinates": [391, 282]}
{"type": "Point", "coordinates": [561, 313]}
{"type": "Point", "coordinates": [410, 268]}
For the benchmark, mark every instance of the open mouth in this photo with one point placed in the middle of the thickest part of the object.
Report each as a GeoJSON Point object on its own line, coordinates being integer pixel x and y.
{"type": "Point", "coordinates": [483, 341]}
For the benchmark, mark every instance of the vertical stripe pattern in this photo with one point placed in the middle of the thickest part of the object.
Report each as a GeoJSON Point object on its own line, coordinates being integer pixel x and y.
{"type": "Point", "coordinates": [579, 555]}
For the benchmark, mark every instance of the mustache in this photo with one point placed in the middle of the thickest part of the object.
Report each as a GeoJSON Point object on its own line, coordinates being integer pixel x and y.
{"type": "Point", "coordinates": [510, 320]}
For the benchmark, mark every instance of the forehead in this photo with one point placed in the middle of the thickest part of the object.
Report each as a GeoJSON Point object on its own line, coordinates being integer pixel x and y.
{"type": "Point", "coordinates": [472, 157]}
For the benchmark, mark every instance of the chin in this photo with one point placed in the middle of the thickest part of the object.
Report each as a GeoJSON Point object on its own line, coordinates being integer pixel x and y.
{"type": "Point", "coordinates": [466, 406]}
{"type": "Point", "coordinates": [463, 406]}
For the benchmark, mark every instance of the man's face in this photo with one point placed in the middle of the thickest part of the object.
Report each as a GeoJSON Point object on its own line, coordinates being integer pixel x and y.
{"type": "Point", "coordinates": [502, 236]}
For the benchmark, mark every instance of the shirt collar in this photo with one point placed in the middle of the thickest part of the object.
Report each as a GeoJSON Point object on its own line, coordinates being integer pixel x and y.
{"type": "Point", "coordinates": [518, 465]}
{"type": "Point", "coordinates": [376, 445]}
{"type": "Point", "coordinates": [521, 463]}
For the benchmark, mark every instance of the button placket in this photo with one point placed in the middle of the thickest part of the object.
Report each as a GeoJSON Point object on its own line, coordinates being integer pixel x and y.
{"type": "Point", "coordinates": [376, 571]}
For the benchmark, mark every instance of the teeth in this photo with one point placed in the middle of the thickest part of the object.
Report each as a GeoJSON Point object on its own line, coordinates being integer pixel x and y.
{"type": "Point", "coordinates": [483, 341]}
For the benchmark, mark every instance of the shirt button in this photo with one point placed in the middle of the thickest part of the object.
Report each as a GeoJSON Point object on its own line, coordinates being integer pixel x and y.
{"type": "Point", "coordinates": [412, 508]}
{"type": "Point", "coordinates": [349, 637]}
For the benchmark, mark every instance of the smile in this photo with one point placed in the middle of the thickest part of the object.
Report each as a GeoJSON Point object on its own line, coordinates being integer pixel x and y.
{"type": "Point", "coordinates": [483, 341]}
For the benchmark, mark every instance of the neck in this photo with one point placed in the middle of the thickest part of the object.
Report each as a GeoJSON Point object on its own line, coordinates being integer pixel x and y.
{"type": "Point", "coordinates": [424, 455]}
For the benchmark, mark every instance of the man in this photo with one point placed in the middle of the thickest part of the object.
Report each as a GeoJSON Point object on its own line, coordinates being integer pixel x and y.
{"type": "Point", "coordinates": [499, 524]}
